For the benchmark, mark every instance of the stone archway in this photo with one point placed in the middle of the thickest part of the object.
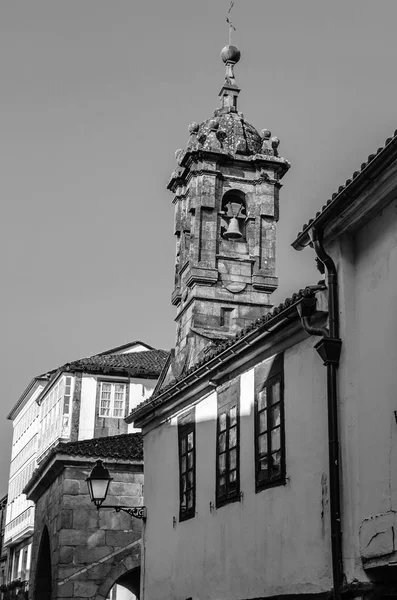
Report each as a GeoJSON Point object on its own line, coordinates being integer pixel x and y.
{"type": "Point", "coordinates": [43, 579]}
{"type": "Point", "coordinates": [131, 581]}
{"type": "Point", "coordinates": [126, 574]}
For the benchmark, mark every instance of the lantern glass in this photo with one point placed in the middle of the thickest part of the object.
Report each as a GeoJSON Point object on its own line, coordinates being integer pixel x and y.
{"type": "Point", "coordinates": [98, 483]}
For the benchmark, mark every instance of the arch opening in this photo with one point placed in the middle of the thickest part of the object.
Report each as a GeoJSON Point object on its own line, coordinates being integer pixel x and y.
{"type": "Point", "coordinates": [43, 581]}
{"type": "Point", "coordinates": [127, 586]}
{"type": "Point", "coordinates": [233, 215]}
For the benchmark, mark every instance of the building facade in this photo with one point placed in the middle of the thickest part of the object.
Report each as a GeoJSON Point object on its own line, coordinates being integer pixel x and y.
{"type": "Point", "coordinates": [270, 449]}
{"type": "Point", "coordinates": [84, 399]}
{"type": "Point", "coordinates": [79, 551]}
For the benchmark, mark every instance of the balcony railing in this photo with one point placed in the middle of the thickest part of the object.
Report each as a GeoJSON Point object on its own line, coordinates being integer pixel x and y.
{"type": "Point", "coordinates": [18, 525]}
{"type": "Point", "coordinates": [16, 590]}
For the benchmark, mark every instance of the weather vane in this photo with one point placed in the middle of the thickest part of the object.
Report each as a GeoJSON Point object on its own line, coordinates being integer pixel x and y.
{"type": "Point", "coordinates": [229, 21]}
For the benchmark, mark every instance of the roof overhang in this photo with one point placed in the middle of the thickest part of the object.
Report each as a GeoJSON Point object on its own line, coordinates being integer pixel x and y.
{"type": "Point", "coordinates": [30, 387]}
{"type": "Point", "coordinates": [280, 332]}
{"type": "Point", "coordinates": [56, 462]}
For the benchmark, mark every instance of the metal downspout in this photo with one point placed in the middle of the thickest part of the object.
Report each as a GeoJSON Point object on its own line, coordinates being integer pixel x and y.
{"type": "Point", "coordinates": [329, 350]}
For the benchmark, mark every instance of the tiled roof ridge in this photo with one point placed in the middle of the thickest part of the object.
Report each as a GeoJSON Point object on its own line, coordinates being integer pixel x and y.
{"type": "Point", "coordinates": [127, 447]}
{"type": "Point", "coordinates": [119, 436]}
{"type": "Point", "coordinates": [342, 188]}
{"type": "Point", "coordinates": [308, 291]}
{"type": "Point", "coordinates": [133, 450]}
{"type": "Point", "coordinates": [123, 346]}
{"type": "Point", "coordinates": [99, 444]}
{"type": "Point", "coordinates": [70, 365]}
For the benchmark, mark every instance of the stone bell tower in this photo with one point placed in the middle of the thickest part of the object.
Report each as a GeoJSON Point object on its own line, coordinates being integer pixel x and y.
{"type": "Point", "coordinates": [226, 188]}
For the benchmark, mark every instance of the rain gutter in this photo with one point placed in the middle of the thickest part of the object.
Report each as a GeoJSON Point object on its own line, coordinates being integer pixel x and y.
{"type": "Point", "coordinates": [329, 348]}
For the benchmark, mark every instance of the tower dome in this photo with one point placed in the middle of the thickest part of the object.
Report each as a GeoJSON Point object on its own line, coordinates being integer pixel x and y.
{"type": "Point", "coordinates": [233, 134]}
{"type": "Point", "coordinates": [227, 130]}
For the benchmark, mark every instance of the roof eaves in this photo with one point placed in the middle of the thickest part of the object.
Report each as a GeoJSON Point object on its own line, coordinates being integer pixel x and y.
{"type": "Point", "coordinates": [163, 372]}
{"type": "Point", "coordinates": [29, 387]}
{"type": "Point", "coordinates": [53, 377]}
{"type": "Point", "coordinates": [225, 351]}
{"type": "Point", "coordinates": [124, 347]}
{"type": "Point", "coordinates": [348, 192]}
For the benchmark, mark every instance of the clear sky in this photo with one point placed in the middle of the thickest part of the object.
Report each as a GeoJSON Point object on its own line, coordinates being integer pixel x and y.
{"type": "Point", "coordinates": [97, 95]}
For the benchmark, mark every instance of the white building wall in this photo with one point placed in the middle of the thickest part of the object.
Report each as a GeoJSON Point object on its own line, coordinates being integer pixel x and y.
{"type": "Point", "coordinates": [140, 390]}
{"type": "Point", "coordinates": [259, 546]}
{"type": "Point", "coordinates": [367, 273]}
{"type": "Point", "coordinates": [87, 407]}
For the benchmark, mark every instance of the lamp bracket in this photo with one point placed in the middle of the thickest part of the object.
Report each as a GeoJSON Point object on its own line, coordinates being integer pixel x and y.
{"type": "Point", "coordinates": [139, 512]}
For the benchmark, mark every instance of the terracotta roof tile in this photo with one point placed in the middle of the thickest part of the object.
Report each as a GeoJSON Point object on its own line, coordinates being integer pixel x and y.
{"type": "Point", "coordinates": [260, 323]}
{"type": "Point", "coordinates": [126, 446]}
{"type": "Point", "coordinates": [137, 364]}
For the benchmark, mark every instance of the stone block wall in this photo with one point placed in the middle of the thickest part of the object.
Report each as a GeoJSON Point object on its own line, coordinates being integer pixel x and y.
{"type": "Point", "coordinates": [89, 549]}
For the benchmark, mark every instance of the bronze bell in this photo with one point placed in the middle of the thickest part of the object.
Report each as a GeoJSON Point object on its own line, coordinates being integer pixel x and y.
{"type": "Point", "coordinates": [233, 231]}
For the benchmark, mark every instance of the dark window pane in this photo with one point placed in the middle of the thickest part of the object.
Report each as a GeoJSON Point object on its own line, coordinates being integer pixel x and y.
{"type": "Point", "coordinates": [222, 421]}
{"type": "Point", "coordinates": [233, 437]}
{"type": "Point", "coordinates": [183, 481]}
{"type": "Point", "coordinates": [183, 502]}
{"type": "Point", "coordinates": [190, 499]}
{"type": "Point", "coordinates": [190, 479]}
{"type": "Point", "coordinates": [190, 458]}
{"type": "Point", "coordinates": [276, 417]}
{"type": "Point", "coordinates": [190, 440]}
{"type": "Point", "coordinates": [263, 465]}
{"type": "Point", "coordinates": [222, 442]}
{"type": "Point", "coordinates": [183, 445]}
{"type": "Point", "coordinates": [232, 476]}
{"type": "Point", "coordinates": [233, 416]}
{"type": "Point", "coordinates": [222, 463]}
{"type": "Point", "coordinates": [262, 399]}
{"type": "Point", "coordinates": [183, 464]}
{"type": "Point", "coordinates": [276, 439]}
{"type": "Point", "coordinates": [262, 441]}
{"type": "Point", "coordinates": [276, 464]}
{"type": "Point", "coordinates": [262, 421]}
{"type": "Point", "coordinates": [222, 481]}
{"type": "Point", "coordinates": [276, 392]}
{"type": "Point", "coordinates": [233, 459]}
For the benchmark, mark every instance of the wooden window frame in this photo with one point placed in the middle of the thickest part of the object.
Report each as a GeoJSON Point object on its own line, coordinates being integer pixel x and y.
{"type": "Point", "coordinates": [187, 426]}
{"type": "Point", "coordinates": [113, 384]}
{"type": "Point", "coordinates": [268, 383]}
{"type": "Point", "coordinates": [226, 401]}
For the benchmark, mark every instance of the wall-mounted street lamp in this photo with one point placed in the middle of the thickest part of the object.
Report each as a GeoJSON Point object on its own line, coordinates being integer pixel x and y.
{"type": "Point", "coordinates": [98, 483]}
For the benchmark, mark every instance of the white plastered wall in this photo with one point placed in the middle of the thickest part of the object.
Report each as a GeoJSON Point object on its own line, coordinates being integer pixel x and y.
{"type": "Point", "coordinates": [259, 546]}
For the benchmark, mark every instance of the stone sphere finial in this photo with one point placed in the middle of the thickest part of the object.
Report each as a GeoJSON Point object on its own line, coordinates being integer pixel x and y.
{"type": "Point", "coordinates": [265, 134]}
{"type": "Point", "coordinates": [230, 54]}
{"type": "Point", "coordinates": [193, 128]}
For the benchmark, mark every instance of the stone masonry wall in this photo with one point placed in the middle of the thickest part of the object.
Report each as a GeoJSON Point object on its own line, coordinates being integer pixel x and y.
{"type": "Point", "coordinates": [90, 549]}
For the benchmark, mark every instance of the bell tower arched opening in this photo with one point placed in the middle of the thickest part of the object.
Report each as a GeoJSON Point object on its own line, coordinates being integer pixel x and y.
{"type": "Point", "coordinates": [233, 215]}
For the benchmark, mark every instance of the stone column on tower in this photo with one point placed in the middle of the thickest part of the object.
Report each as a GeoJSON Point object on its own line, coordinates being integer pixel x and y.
{"type": "Point", "coordinates": [226, 196]}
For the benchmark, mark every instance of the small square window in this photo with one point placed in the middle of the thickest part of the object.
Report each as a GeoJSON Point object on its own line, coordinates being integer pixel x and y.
{"type": "Point", "coordinates": [226, 317]}
{"type": "Point", "coordinates": [112, 400]}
